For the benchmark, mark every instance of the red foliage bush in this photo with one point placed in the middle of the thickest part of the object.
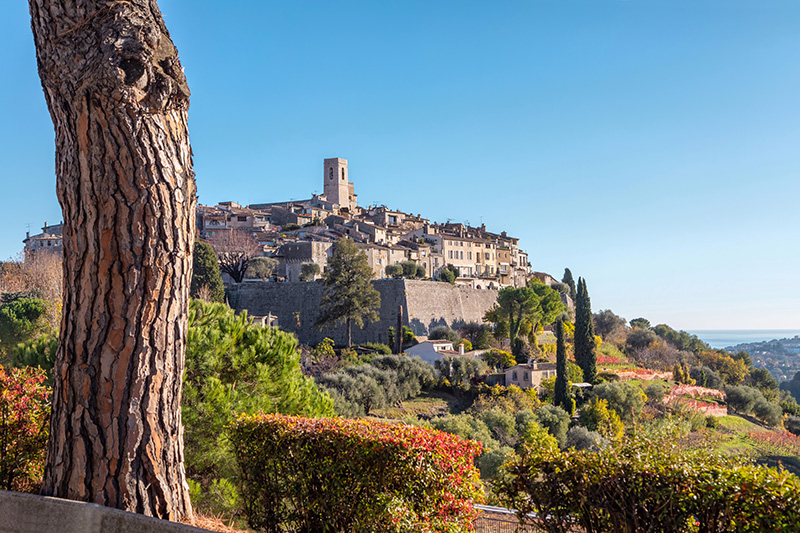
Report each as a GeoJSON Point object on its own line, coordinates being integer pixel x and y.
{"type": "Point", "coordinates": [779, 442]}
{"type": "Point", "coordinates": [24, 427]}
{"type": "Point", "coordinates": [334, 474]}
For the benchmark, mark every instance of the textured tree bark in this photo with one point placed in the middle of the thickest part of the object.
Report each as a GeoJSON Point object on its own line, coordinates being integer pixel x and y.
{"type": "Point", "coordinates": [118, 99]}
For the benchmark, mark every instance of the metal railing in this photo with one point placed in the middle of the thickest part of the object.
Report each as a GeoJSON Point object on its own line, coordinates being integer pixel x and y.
{"type": "Point", "coordinates": [499, 520]}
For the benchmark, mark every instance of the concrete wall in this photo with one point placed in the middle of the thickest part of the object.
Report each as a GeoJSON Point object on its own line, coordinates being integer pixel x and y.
{"type": "Point", "coordinates": [27, 513]}
{"type": "Point", "coordinates": [426, 304]}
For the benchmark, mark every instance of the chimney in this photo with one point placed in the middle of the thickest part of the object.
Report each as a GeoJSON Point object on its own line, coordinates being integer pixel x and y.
{"type": "Point", "coordinates": [460, 349]}
{"type": "Point", "coordinates": [45, 226]}
{"type": "Point", "coordinates": [533, 364]}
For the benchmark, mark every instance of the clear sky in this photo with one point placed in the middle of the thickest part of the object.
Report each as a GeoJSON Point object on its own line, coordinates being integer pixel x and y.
{"type": "Point", "coordinates": [653, 147]}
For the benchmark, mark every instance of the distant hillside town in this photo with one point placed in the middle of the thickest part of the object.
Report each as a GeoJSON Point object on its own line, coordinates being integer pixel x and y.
{"type": "Point", "coordinates": [303, 231]}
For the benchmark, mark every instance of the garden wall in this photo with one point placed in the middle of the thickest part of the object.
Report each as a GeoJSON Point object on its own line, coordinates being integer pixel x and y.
{"type": "Point", "coordinates": [426, 304]}
{"type": "Point", "coordinates": [27, 513]}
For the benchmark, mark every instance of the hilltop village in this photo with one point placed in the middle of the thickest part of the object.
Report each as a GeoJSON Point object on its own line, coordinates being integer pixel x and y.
{"type": "Point", "coordinates": [303, 231]}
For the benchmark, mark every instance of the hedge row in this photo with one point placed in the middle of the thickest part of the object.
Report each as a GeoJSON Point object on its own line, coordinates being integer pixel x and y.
{"type": "Point", "coordinates": [304, 474]}
{"type": "Point", "coordinates": [643, 486]}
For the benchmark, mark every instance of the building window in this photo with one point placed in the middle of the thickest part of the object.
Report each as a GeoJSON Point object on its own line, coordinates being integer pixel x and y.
{"type": "Point", "coordinates": [330, 173]}
{"type": "Point", "coordinates": [487, 256]}
{"type": "Point", "coordinates": [514, 376]}
{"type": "Point", "coordinates": [469, 256]}
{"type": "Point", "coordinates": [525, 376]}
{"type": "Point", "coordinates": [342, 173]}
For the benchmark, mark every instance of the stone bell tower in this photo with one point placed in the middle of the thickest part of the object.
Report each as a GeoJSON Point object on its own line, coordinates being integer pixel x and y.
{"type": "Point", "coordinates": [338, 189]}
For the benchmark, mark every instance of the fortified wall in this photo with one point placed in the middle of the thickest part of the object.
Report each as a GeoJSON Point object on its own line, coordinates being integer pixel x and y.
{"type": "Point", "coordinates": [426, 304]}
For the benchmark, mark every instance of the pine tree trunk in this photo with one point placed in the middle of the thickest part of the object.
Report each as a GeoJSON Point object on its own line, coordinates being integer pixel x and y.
{"type": "Point", "coordinates": [349, 333]}
{"type": "Point", "coordinates": [118, 100]}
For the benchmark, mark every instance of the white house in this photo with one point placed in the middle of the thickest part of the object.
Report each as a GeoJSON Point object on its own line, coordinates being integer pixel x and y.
{"type": "Point", "coordinates": [431, 351]}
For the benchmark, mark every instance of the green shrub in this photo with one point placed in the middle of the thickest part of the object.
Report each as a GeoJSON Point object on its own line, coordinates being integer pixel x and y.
{"type": "Point", "coordinates": [749, 400]}
{"type": "Point", "coordinates": [394, 271]}
{"type": "Point", "coordinates": [445, 333]}
{"type": "Point", "coordinates": [386, 380]}
{"type": "Point", "coordinates": [409, 269]}
{"type": "Point", "coordinates": [555, 420]}
{"type": "Point", "coordinates": [461, 372]}
{"type": "Point", "coordinates": [447, 276]}
{"type": "Point", "coordinates": [606, 377]}
{"type": "Point", "coordinates": [261, 267]}
{"type": "Point", "coordinates": [648, 485]}
{"type": "Point", "coordinates": [596, 416]}
{"type": "Point", "coordinates": [24, 427]}
{"type": "Point", "coordinates": [309, 271]}
{"type": "Point", "coordinates": [376, 347]}
{"type": "Point", "coordinates": [302, 474]}
{"type": "Point", "coordinates": [499, 360]}
{"type": "Point", "coordinates": [793, 424]}
{"type": "Point", "coordinates": [580, 438]}
{"type": "Point", "coordinates": [39, 352]}
{"type": "Point", "coordinates": [20, 320]}
{"type": "Point", "coordinates": [233, 366]}
{"type": "Point", "coordinates": [206, 278]}
{"type": "Point", "coordinates": [626, 399]}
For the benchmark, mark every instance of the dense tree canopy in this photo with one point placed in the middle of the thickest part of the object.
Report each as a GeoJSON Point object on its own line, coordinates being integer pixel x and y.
{"type": "Point", "coordinates": [233, 366]}
{"type": "Point", "coordinates": [606, 322]}
{"type": "Point", "coordinates": [261, 267]}
{"type": "Point", "coordinates": [21, 319]}
{"type": "Point", "coordinates": [536, 305]}
{"type": "Point", "coordinates": [206, 279]}
{"type": "Point", "coordinates": [309, 271]}
{"type": "Point", "coordinates": [349, 296]}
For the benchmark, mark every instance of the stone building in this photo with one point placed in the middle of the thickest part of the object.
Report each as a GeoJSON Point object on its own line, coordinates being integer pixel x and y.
{"type": "Point", "coordinates": [48, 241]}
{"type": "Point", "coordinates": [529, 374]}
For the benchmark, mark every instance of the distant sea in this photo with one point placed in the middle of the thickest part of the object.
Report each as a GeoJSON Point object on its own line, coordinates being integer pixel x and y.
{"type": "Point", "coordinates": [722, 338]}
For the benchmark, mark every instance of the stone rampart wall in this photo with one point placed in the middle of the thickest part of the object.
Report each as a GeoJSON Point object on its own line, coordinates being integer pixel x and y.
{"type": "Point", "coordinates": [426, 304]}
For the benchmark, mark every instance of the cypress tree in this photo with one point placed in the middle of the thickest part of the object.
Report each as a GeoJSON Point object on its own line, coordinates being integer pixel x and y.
{"type": "Point", "coordinates": [560, 396]}
{"type": "Point", "coordinates": [570, 282]}
{"type": "Point", "coordinates": [585, 349]}
{"type": "Point", "coordinates": [205, 274]}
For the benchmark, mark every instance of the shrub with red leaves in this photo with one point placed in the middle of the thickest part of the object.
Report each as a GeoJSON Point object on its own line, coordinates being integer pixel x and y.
{"type": "Point", "coordinates": [335, 474]}
{"type": "Point", "coordinates": [24, 426]}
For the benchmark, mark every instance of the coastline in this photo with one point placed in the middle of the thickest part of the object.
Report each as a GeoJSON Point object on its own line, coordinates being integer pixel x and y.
{"type": "Point", "coordinates": [724, 338]}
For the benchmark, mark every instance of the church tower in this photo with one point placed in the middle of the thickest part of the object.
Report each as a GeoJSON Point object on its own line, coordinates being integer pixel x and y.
{"type": "Point", "coordinates": [337, 186]}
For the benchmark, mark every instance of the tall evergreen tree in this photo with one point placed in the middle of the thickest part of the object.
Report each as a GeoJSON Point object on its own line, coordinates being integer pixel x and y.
{"type": "Point", "coordinates": [349, 295]}
{"type": "Point", "coordinates": [585, 349]}
{"type": "Point", "coordinates": [570, 282]}
{"type": "Point", "coordinates": [560, 393]}
{"type": "Point", "coordinates": [205, 274]}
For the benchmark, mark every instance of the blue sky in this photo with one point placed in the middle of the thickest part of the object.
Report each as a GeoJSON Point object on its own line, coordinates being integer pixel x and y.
{"type": "Point", "coordinates": [653, 147]}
